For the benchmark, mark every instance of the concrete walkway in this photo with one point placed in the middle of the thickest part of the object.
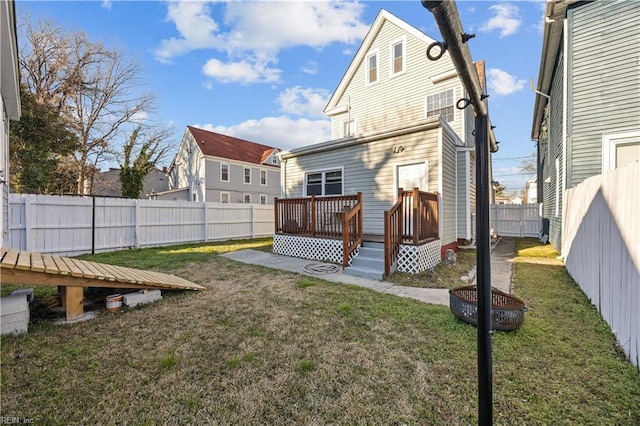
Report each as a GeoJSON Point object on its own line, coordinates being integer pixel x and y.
{"type": "Point", "coordinates": [501, 262]}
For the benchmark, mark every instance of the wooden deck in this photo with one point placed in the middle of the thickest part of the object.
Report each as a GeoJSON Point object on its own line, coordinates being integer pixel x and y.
{"type": "Point", "coordinates": [72, 275]}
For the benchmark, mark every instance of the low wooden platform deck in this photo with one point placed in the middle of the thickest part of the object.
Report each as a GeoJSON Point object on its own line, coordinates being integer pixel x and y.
{"type": "Point", "coordinates": [72, 275]}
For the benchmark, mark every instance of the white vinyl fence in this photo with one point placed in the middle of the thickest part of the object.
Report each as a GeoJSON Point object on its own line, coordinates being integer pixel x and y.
{"type": "Point", "coordinates": [75, 225]}
{"type": "Point", "coordinates": [601, 247]}
{"type": "Point", "coordinates": [516, 220]}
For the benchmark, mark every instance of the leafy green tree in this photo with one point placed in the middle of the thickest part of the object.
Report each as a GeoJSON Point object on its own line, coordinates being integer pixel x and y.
{"type": "Point", "coordinates": [38, 144]}
{"type": "Point", "coordinates": [142, 152]}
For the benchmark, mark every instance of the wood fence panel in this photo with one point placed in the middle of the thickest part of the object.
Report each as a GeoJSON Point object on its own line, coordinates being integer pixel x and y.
{"type": "Point", "coordinates": [601, 247]}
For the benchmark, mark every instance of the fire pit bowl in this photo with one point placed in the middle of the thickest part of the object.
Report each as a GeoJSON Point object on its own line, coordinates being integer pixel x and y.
{"type": "Point", "coordinates": [507, 311]}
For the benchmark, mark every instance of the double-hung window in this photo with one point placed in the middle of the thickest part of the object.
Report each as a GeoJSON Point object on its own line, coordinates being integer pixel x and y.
{"type": "Point", "coordinates": [372, 68]}
{"type": "Point", "coordinates": [263, 177]}
{"type": "Point", "coordinates": [324, 183]}
{"type": "Point", "coordinates": [397, 57]}
{"type": "Point", "coordinates": [441, 104]}
{"type": "Point", "coordinates": [247, 175]}
{"type": "Point", "coordinates": [224, 172]}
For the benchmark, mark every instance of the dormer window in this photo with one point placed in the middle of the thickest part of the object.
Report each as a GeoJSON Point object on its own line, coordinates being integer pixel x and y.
{"type": "Point", "coordinates": [372, 68]}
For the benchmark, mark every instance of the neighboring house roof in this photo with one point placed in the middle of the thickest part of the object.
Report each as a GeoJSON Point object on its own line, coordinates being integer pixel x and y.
{"type": "Point", "coordinates": [365, 46]}
{"type": "Point", "coordinates": [554, 15]}
{"type": "Point", "coordinates": [223, 146]}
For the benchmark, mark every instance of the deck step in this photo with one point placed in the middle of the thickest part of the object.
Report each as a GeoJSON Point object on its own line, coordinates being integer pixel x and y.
{"type": "Point", "coordinates": [363, 272]}
{"type": "Point", "coordinates": [369, 263]}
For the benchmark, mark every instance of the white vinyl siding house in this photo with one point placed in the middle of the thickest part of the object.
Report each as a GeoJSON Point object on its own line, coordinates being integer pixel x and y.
{"type": "Point", "coordinates": [9, 105]}
{"type": "Point", "coordinates": [393, 126]}
{"type": "Point", "coordinates": [405, 101]}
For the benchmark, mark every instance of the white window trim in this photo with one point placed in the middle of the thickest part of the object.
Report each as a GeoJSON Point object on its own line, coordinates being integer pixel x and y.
{"type": "Point", "coordinates": [244, 169]}
{"type": "Point", "coordinates": [354, 130]}
{"type": "Point", "coordinates": [266, 177]}
{"type": "Point", "coordinates": [403, 41]}
{"type": "Point", "coordinates": [323, 171]}
{"type": "Point", "coordinates": [609, 143]}
{"type": "Point", "coordinates": [366, 67]}
{"type": "Point", "coordinates": [426, 103]}
{"type": "Point", "coordinates": [244, 198]}
{"type": "Point", "coordinates": [266, 199]}
{"type": "Point", "coordinates": [228, 172]}
{"type": "Point", "coordinates": [228, 197]}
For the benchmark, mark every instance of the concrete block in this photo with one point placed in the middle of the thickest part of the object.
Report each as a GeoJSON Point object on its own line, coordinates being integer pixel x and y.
{"type": "Point", "coordinates": [141, 297]}
{"type": "Point", "coordinates": [14, 314]}
{"type": "Point", "coordinates": [28, 291]}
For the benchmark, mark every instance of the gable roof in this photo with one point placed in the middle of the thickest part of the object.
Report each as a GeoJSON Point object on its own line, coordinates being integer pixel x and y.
{"type": "Point", "coordinates": [365, 46]}
{"type": "Point", "coordinates": [218, 145]}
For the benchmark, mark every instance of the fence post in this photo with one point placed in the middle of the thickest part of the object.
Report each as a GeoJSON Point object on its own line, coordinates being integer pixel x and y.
{"type": "Point", "coordinates": [136, 224]}
{"type": "Point", "coordinates": [253, 220]}
{"type": "Point", "coordinates": [29, 222]}
{"type": "Point", "coordinates": [205, 221]}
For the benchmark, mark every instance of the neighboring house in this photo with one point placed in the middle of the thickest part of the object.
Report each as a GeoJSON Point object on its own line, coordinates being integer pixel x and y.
{"type": "Point", "coordinates": [218, 168]}
{"type": "Point", "coordinates": [108, 183]}
{"type": "Point", "coordinates": [9, 104]}
{"type": "Point", "coordinates": [531, 190]}
{"type": "Point", "coordinates": [587, 109]}
{"type": "Point", "coordinates": [394, 125]}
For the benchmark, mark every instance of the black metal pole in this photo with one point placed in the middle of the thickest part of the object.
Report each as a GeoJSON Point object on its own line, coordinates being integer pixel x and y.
{"type": "Point", "coordinates": [483, 259]}
{"type": "Point", "coordinates": [93, 225]}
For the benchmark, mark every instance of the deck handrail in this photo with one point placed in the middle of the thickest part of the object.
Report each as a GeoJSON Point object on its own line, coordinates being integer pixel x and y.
{"type": "Point", "coordinates": [412, 219]}
{"type": "Point", "coordinates": [351, 231]}
{"type": "Point", "coordinates": [393, 226]}
{"type": "Point", "coordinates": [336, 217]}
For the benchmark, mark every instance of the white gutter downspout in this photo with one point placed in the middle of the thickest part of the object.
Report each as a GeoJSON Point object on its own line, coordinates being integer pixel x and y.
{"type": "Point", "coordinates": [565, 94]}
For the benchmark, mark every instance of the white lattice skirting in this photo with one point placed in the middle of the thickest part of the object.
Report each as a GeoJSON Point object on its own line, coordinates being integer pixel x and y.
{"type": "Point", "coordinates": [310, 248]}
{"type": "Point", "coordinates": [415, 259]}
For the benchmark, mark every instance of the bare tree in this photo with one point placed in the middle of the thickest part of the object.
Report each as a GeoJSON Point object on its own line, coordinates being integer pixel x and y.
{"type": "Point", "coordinates": [95, 90]}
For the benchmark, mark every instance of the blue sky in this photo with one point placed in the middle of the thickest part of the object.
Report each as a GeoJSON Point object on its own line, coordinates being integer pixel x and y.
{"type": "Point", "coordinates": [264, 71]}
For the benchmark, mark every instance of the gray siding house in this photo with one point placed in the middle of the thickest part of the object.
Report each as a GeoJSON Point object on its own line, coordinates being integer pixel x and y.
{"type": "Point", "coordinates": [394, 125]}
{"type": "Point", "coordinates": [9, 104]}
{"type": "Point", "coordinates": [218, 168]}
{"type": "Point", "coordinates": [587, 109]}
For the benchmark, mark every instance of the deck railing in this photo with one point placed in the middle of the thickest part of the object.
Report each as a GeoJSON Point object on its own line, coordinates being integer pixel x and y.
{"type": "Point", "coordinates": [338, 217]}
{"type": "Point", "coordinates": [412, 220]}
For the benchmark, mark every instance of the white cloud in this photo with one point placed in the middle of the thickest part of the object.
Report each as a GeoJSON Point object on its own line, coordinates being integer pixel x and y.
{"type": "Point", "coordinates": [502, 83]}
{"type": "Point", "coordinates": [281, 132]}
{"type": "Point", "coordinates": [311, 67]}
{"type": "Point", "coordinates": [506, 20]}
{"type": "Point", "coordinates": [255, 28]}
{"type": "Point", "coordinates": [304, 23]}
{"type": "Point", "coordinates": [106, 4]}
{"type": "Point", "coordinates": [308, 102]}
{"type": "Point", "coordinates": [243, 72]}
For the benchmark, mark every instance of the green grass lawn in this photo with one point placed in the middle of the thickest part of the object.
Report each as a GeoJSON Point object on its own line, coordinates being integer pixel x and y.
{"type": "Point", "coordinates": [262, 346]}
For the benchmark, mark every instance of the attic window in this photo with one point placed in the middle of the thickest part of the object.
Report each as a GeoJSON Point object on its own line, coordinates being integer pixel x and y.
{"type": "Point", "coordinates": [372, 68]}
{"type": "Point", "coordinates": [398, 57]}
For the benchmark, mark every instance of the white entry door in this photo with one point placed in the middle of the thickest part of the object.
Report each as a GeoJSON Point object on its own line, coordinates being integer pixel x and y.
{"type": "Point", "coordinates": [413, 176]}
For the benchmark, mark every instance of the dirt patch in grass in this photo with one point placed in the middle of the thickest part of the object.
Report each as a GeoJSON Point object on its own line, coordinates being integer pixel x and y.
{"type": "Point", "coordinates": [443, 275]}
{"type": "Point", "coordinates": [261, 346]}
